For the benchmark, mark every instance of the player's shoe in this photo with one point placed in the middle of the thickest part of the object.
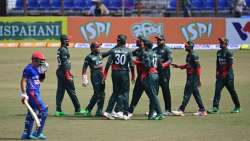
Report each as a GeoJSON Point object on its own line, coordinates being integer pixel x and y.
{"type": "Point", "coordinates": [126, 117]}
{"type": "Point", "coordinates": [168, 113]}
{"type": "Point", "coordinates": [130, 115]}
{"type": "Point", "coordinates": [154, 114]}
{"type": "Point", "coordinates": [200, 113]}
{"type": "Point", "coordinates": [178, 113]}
{"type": "Point", "coordinates": [157, 117]}
{"type": "Point", "coordinates": [78, 114]}
{"type": "Point", "coordinates": [213, 110]}
{"type": "Point", "coordinates": [236, 110]}
{"type": "Point", "coordinates": [34, 136]}
{"type": "Point", "coordinates": [42, 137]}
{"type": "Point", "coordinates": [59, 114]}
{"type": "Point", "coordinates": [150, 118]}
{"type": "Point", "coordinates": [119, 115]}
{"type": "Point", "coordinates": [25, 136]}
{"type": "Point", "coordinates": [114, 114]}
{"type": "Point", "coordinates": [108, 116]}
{"type": "Point", "coordinates": [85, 113]}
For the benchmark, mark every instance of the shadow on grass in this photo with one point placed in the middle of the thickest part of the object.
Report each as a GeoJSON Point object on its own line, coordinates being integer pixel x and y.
{"type": "Point", "coordinates": [94, 118]}
{"type": "Point", "coordinates": [73, 117]}
{"type": "Point", "coordinates": [135, 116]}
{"type": "Point", "coordinates": [7, 139]}
{"type": "Point", "coordinates": [18, 115]}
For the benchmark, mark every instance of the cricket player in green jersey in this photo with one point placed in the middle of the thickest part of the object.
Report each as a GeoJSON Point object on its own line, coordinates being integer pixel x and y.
{"type": "Point", "coordinates": [193, 81]}
{"type": "Point", "coordinates": [150, 79]}
{"type": "Point", "coordinates": [138, 87]}
{"type": "Point", "coordinates": [94, 61]}
{"type": "Point", "coordinates": [224, 77]}
{"type": "Point", "coordinates": [165, 58]}
{"type": "Point", "coordinates": [65, 78]}
{"type": "Point", "coordinates": [121, 62]}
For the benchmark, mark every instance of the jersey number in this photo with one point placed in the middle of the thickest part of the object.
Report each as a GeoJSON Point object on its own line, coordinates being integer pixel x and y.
{"type": "Point", "coordinates": [120, 59]}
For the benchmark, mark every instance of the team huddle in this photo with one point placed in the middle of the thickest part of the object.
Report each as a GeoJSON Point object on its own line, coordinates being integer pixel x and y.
{"type": "Point", "coordinates": [153, 71]}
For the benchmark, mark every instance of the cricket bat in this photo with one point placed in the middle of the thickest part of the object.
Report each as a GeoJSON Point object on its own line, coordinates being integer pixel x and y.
{"type": "Point", "coordinates": [34, 115]}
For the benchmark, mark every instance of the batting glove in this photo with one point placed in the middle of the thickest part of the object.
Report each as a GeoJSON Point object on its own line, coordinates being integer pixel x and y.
{"type": "Point", "coordinates": [43, 67]}
{"type": "Point", "coordinates": [85, 81]}
{"type": "Point", "coordinates": [24, 97]}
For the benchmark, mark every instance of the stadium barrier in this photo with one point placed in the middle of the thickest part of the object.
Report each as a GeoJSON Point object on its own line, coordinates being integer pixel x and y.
{"type": "Point", "coordinates": [46, 31]}
{"type": "Point", "coordinates": [9, 45]}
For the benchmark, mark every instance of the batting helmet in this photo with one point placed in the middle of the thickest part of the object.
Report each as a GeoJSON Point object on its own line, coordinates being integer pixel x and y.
{"type": "Point", "coordinates": [37, 55]}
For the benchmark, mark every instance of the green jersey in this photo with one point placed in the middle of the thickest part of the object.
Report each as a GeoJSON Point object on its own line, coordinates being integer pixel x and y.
{"type": "Point", "coordinates": [94, 61]}
{"type": "Point", "coordinates": [63, 58]}
{"type": "Point", "coordinates": [224, 64]}
{"type": "Point", "coordinates": [165, 57]}
{"type": "Point", "coordinates": [192, 61]}
{"type": "Point", "coordinates": [120, 58]}
{"type": "Point", "coordinates": [149, 60]}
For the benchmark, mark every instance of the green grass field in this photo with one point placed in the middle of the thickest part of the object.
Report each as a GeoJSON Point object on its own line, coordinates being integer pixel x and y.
{"type": "Point", "coordinates": [222, 127]}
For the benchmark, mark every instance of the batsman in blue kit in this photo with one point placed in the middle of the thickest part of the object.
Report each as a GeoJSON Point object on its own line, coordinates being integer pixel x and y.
{"type": "Point", "coordinates": [33, 74]}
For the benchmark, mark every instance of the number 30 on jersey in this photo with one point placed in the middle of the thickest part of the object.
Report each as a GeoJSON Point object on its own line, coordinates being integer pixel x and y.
{"type": "Point", "coordinates": [120, 59]}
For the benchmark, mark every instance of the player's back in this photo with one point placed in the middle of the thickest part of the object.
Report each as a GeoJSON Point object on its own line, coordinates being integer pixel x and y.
{"type": "Point", "coordinates": [121, 58]}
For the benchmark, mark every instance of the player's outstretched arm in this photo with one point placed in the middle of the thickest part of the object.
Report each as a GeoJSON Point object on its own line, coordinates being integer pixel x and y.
{"type": "Point", "coordinates": [179, 66]}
